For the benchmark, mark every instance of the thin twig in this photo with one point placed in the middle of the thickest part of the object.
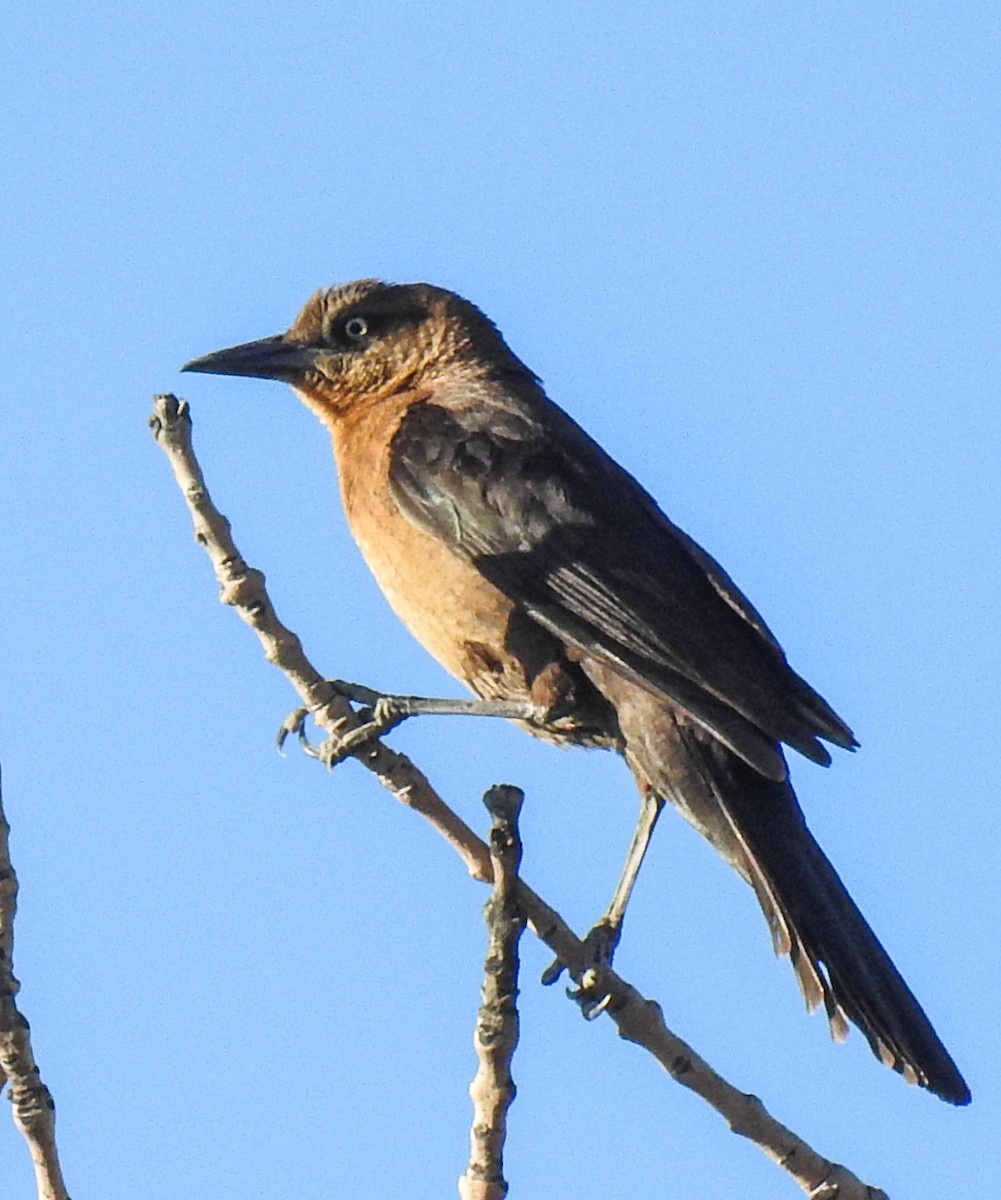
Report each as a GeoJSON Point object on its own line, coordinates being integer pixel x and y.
{"type": "Point", "coordinates": [242, 587]}
{"type": "Point", "coordinates": [637, 1019]}
{"type": "Point", "coordinates": [492, 1090]}
{"type": "Point", "coordinates": [34, 1111]}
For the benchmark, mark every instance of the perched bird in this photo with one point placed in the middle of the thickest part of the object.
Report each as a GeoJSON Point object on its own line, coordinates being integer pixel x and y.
{"type": "Point", "coordinates": [539, 572]}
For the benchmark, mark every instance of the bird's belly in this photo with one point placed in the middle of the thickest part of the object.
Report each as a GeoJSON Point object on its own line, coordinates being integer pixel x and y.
{"type": "Point", "coordinates": [467, 624]}
{"type": "Point", "coordinates": [457, 616]}
{"type": "Point", "coordinates": [448, 606]}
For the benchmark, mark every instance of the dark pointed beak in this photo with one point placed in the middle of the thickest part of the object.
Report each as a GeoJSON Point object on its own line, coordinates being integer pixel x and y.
{"type": "Point", "coordinates": [268, 358]}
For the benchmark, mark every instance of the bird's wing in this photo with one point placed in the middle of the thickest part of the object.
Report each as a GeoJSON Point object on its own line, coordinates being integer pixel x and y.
{"type": "Point", "coordinates": [518, 489]}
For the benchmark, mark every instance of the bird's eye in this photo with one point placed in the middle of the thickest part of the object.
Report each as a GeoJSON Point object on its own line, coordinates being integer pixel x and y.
{"type": "Point", "coordinates": [356, 328]}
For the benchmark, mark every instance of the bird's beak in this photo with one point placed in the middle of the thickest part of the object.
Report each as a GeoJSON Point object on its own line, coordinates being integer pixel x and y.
{"type": "Point", "coordinates": [268, 358]}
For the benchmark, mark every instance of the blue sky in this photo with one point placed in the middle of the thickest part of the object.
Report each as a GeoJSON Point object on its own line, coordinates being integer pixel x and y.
{"type": "Point", "coordinates": [753, 248]}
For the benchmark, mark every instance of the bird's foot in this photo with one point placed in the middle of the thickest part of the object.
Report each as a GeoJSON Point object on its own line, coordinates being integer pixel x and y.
{"type": "Point", "coordinates": [383, 711]}
{"type": "Point", "coordinates": [590, 995]}
{"type": "Point", "coordinates": [378, 719]}
{"type": "Point", "coordinates": [379, 714]}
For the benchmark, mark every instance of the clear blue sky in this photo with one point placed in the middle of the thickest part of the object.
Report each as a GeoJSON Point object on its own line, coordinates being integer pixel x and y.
{"type": "Point", "coordinates": [753, 248]}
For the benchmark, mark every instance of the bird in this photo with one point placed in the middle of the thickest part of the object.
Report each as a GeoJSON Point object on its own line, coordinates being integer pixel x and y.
{"type": "Point", "coordinates": [542, 575]}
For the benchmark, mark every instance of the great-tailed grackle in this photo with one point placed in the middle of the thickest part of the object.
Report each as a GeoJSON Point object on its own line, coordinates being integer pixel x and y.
{"type": "Point", "coordinates": [537, 570]}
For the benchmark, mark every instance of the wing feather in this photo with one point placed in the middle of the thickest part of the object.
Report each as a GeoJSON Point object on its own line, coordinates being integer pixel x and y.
{"type": "Point", "coordinates": [555, 524]}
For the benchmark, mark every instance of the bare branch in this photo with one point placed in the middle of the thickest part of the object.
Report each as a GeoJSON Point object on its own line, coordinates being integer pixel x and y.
{"type": "Point", "coordinates": [34, 1111]}
{"type": "Point", "coordinates": [638, 1020]}
{"type": "Point", "coordinates": [492, 1090]}
{"type": "Point", "coordinates": [242, 587]}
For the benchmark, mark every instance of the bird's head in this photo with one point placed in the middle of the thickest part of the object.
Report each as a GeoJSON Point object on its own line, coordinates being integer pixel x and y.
{"type": "Point", "coordinates": [367, 339]}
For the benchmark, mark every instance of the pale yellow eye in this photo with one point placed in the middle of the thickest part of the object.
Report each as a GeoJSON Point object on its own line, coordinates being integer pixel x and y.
{"type": "Point", "coordinates": [356, 328]}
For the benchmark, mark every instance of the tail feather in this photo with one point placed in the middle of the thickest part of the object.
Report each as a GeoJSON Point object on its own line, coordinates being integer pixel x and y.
{"type": "Point", "coordinates": [758, 826]}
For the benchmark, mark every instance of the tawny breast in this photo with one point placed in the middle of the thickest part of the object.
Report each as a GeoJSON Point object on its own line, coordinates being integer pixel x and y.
{"type": "Point", "coordinates": [460, 618]}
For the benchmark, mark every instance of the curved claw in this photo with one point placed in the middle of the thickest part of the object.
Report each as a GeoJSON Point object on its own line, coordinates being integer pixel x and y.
{"type": "Point", "coordinates": [381, 713]}
{"type": "Point", "coordinates": [295, 723]}
{"type": "Point", "coordinates": [553, 972]}
{"type": "Point", "coordinates": [590, 995]}
{"type": "Point", "coordinates": [329, 751]}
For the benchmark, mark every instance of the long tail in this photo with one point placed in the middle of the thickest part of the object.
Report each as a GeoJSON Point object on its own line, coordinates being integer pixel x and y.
{"type": "Point", "coordinates": [758, 826]}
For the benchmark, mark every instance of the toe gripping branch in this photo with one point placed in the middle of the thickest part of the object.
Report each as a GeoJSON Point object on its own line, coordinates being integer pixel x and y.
{"type": "Point", "coordinates": [382, 711]}
{"type": "Point", "coordinates": [591, 995]}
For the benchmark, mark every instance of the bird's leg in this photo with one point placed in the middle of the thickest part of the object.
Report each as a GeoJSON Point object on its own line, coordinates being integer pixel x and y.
{"type": "Point", "coordinates": [651, 807]}
{"type": "Point", "coordinates": [603, 938]}
{"type": "Point", "coordinates": [383, 711]}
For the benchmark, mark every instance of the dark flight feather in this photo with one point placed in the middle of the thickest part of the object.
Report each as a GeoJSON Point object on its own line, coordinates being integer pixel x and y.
{"type": "Point", "coordinates": [528, 509]}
